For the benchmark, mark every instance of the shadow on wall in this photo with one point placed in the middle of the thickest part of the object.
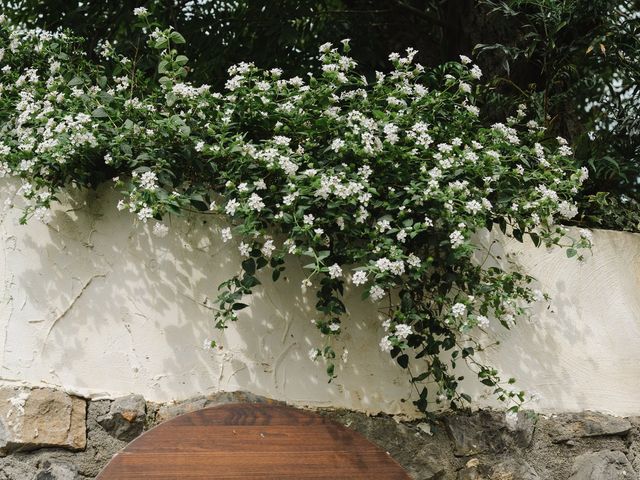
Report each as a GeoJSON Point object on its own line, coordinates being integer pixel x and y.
{"type": "Point", "coordinates": [96, 304]}
{"type": "Point", "coordinates": [99, 305]}
{"type": "Point", "coordinates": [578, 351]}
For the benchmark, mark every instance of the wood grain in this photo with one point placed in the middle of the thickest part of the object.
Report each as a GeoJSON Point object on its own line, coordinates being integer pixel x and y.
{"type": "Point", "coordinates": [252, 441]}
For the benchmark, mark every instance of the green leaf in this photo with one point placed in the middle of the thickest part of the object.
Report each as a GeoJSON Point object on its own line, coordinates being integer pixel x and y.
{"type": "Point", "coordinates": [175, 37]}
{"type": "Point", "coordinates": [403, 360]}
{"type": "Point", "coordinates": [517, 234]}
{"type": "Point", "coordinates": [249, 266]}
{"type": "Point", "coordinates": [161, 43]}
{"type": "Point", "coordinates": [535, 238]}
{"type": "Point", "coordinates": [571, 252]}
{"type": "Point", "coordinates": [249, 281]}
{"type": "Point", "coordinates": [323, 254]}
{"type": "Point", "coordinates": [331, 369]}
{"type": "Point", "coordinates": [162, 66]}
{"type": "Point", "coordinates": [261, 262]}
{"type": "Point", "coordinates": [239, 306]}
{"type": "Point", "coordinates": [99, 113]}
{"type": "Point", "coordinates": [171, 99]}
{"type": "Point", "coordinates": [75, 81]}
{"type": "Point", "coordinates": [420, 378]}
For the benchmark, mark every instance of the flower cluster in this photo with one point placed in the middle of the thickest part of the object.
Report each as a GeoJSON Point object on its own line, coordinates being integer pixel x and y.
{"type": "Point", "coordinates": [380, 183]}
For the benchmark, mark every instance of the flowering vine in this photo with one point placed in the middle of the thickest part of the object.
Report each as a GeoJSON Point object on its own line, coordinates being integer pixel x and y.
{"type": "Point", "coordinates": [380, 183]}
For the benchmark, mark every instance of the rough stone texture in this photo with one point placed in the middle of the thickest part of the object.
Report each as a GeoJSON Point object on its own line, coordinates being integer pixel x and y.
{"type": "Point", "coordinates": [588, 424]}
{"type": "Point", "coordinates": [126, 417]}
{"type": "Point", "coordinates": [509, 469]}
{"type": "Point", "coordinates": [42, 417]}
{"type": "Point", "coordinates": [485, 445]}
{"type": "Point", "coordinates": [489, 431]}
{"type": "Point", "coordinates": [604, 465]}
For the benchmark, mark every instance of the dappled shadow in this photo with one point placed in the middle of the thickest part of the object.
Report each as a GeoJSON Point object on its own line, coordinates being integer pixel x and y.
{"type": "Point", "coordinates": [101, 305]}
{"type": "Point", "coordinates": [95, 303]}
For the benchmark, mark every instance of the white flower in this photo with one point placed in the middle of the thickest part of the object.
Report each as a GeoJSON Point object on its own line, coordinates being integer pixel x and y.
{"type": "Point", "coordinates": [245, 250]}
{"type": "Point", "coordinates": [232, 206]}
{"type": "Point", "coordinates": [458, 310]}
{"type": "Point", "coordinates": [465, 60]}
{"type": "Point", "coordinates": [308, 219]}
{"type": "Point", "coordinates": [140, 12]}
{"type": "Point", "coordinates": [145, 213]}
{"type": "Point", "coordinates": [567, 210]}
{"type": "Point", "coordinates": [586, 234]}
{"type": "Point", "coordinates": [359, 278]}
{"type": "Point", "coordinates": [148, 180]}
{"type": "Point", "coordinates": [268, 248]}
{"type": "Point", "coordinates": [584, 174]}
{"type": "Point", "coordinates": [403, 331]}
{"type": "Point", "coordinates": [335, 271]}
{"type": "Point", "coordinates": [376, 293]}
{"type": "Point", "coordinates": [413, 260]}
{"type": "Point", "coordinates": [565, 151]}
{"type": "Point", "coordinates": [325, 47]}
{"type": "Point", "coordinates": [226, 234]}
{"type": "Point", "coordinates": [483, 321]}
{"type": "Point", "coordinates": [385, 344]}
{"type": "Point", "coordinates": [337, 145]}
{"type": "Point", "coordinates": [473, 110]}
{"type": "Point", "coordinates": [160, 230]}
{"type": "Point", "coordinates": [334, 327]}
{"type": "Point", "coordinates": [255, 202]}
{"type": "Point", "coordinates": [476, 72]}
{"type": "Point", "coordinates": [456, 238]}
{"type": "Point", "coordinates": [313, 354]}
{"type": "Point", "coordinates": [473, 207]}
{"type": "Point", "coordinates": [391, 133]}
{"type": "Point", "coordinates": [383, 225]}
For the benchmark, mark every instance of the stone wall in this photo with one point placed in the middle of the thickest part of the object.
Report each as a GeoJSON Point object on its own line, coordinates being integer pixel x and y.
{"type": "Point", "coordinates": [46, 434]}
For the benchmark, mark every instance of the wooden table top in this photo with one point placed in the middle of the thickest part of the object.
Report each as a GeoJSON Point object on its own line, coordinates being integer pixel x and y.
{"type": "Point", "coordinates": [252, 441]}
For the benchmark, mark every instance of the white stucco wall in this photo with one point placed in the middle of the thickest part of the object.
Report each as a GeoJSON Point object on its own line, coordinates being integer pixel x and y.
{"type": "Point", "coordinates": [94, 304]}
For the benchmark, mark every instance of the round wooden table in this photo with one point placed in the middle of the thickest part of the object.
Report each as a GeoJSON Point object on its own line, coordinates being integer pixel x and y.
{"type": "Point", "coordinates": [252, 441]}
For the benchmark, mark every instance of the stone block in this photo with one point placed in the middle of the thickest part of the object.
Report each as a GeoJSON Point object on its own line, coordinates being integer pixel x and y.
{"type": "Point", "coordinates": [489, 431]}
{"type": "Point", "coordinates": [126, 417]}
{"type": "Point", "coordinates": [41, 417]}
{"type": "Point", "coordinates": [603, 465]}
{"type": "Point", "coordinates": [570, 426]}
